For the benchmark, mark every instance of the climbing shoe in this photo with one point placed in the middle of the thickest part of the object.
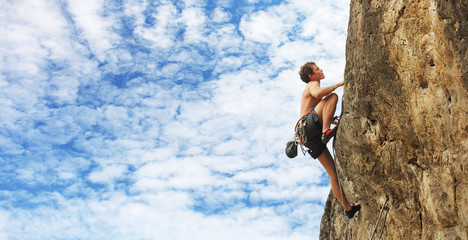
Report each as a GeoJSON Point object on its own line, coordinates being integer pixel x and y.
{"type": "Point", "coordinates": [327, 135]}
{"type": "Point", "coordinates": [354, 210]}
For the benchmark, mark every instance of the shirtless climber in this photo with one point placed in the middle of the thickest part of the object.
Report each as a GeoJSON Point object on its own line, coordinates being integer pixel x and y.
{"type": "Point", "coordinates": [318, 106]}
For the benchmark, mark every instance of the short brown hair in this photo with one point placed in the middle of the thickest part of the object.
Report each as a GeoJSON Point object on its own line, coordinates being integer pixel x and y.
{"type": "Point", "coordinates": [305, 70]}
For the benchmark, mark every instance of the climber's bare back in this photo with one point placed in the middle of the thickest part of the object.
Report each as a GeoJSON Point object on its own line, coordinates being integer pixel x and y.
{"type": "Point", "coordinates": [308, 101]}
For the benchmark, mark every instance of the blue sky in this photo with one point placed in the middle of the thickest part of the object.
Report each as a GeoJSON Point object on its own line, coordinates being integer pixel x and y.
{"type": "Point", "coordinates": [134, 119]}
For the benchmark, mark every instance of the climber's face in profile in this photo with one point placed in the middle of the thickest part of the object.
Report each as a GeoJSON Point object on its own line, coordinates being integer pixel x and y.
{"type": "Point", "coordinates": [318, 74]}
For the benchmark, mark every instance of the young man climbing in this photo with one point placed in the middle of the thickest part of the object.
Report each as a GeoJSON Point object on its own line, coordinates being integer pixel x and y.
{"type": "Point", "coordinates": [318, 106]}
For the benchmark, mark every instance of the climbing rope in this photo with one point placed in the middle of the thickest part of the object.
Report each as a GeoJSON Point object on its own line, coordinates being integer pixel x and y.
{"type": "Point", "coordinates": [383, 225]}
{"type": "Point", "coordinates": [378, 220]}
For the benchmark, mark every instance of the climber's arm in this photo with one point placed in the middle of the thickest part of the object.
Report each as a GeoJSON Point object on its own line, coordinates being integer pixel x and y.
{"type": "Point", "coordinates": [318, 92]}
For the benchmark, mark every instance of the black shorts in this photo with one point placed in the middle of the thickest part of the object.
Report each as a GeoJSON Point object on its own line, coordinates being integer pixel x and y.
{"type": "Point", "coordinates": [313, 131]}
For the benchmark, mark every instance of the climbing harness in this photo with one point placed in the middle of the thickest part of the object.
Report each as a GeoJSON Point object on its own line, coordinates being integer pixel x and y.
{"type": "Point", "coordinates": [378, 220]}
{"type": "Point", "coordinates": [307, 133]}
{"type": "Point", "coordinates": [300, 133]}
{"type": "Point", "coordinates": [299, 138]}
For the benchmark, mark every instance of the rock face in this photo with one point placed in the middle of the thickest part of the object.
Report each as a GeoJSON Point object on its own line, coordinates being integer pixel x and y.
{"type": "Point", "coordinates": [403, 134]}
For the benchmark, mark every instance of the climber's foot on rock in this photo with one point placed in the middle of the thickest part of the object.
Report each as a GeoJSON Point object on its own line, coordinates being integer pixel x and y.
{"type": "Point", "coordinates": [354, 210]}
{"type": "Point", "coordinates": [327, 135]}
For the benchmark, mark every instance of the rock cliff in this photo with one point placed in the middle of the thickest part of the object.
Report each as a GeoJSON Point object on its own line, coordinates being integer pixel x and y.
{"type": "Point", "coordinates": [402, 145]}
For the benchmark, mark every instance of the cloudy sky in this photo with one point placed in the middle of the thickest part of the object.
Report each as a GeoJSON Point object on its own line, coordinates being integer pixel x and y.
{"type": "Point", "coordinates": [139, 119]}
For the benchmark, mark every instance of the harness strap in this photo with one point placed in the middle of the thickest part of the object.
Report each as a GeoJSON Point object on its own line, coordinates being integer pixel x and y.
{"type": "Point", "coordinates": [300, 133]}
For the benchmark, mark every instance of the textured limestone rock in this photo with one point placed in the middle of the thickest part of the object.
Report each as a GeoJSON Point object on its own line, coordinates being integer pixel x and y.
{"type": "Point", "coordinates": [404, 128]}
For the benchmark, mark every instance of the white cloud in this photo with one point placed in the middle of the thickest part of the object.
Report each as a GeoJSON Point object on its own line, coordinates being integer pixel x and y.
{"type": "Point", "coordinates": [194, 19]}
{"type": "Point", "coordinates": [29, 30]}
{"type": "Point", "coordinates": [162, 34]}
{"type": "Point", "coordinates": [96, 29]}
{"type": "Point", "coordinates": [4, 220]}
{"type": "Point", "coordinates": [219, 15]}
{"type": "Point", "coordinates": [193, 3]}
{"type": "Point", "coordinates": [63, 89]}
{"type": "Point", "coordinates": [263, 27]}
{"type": "Point", "coordinates": [107, 173]}
{"type": "Point", "coordinates": [7, 146]}
{"type": "Point", "coordinates": [25, 174]}
{"type": "Point", "coordinates": [226, 40]}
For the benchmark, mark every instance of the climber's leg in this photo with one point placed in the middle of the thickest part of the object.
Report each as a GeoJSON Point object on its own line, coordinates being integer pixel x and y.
{"type": "Point", "coordinates": [326, 109]}
{"type": "Point", "coordinates": [327, 162]}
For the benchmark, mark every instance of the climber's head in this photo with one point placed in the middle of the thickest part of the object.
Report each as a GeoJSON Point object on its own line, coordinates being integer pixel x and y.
{"type": "Point", "coordinates": [310, 72]}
